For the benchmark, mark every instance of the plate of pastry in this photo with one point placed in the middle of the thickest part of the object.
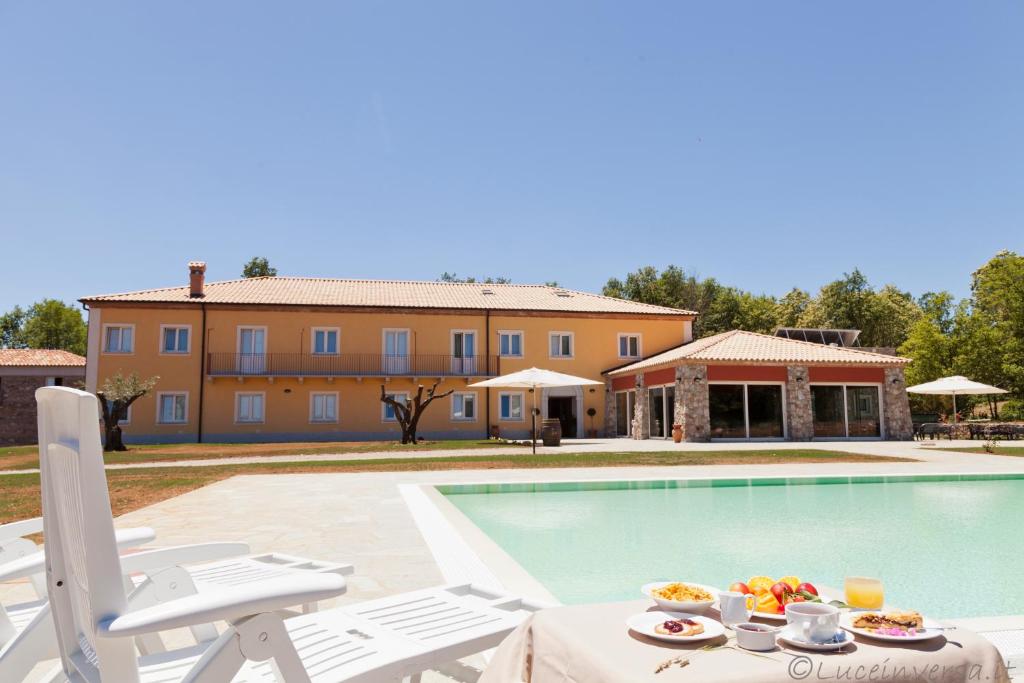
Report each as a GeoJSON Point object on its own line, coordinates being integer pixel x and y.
{"type": "Point", "coordinates": [892, 625]}
{"type": "Point", "coordinates": [675, 627]}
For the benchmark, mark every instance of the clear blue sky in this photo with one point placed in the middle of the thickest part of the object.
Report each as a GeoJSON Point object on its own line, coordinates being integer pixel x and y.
{"type": "Point", "coordinates": [768, 144]}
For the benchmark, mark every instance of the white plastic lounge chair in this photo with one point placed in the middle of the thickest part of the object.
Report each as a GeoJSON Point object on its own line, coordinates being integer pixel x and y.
{"type": "Point", "coordinates": [376, 641]}
{"type": "Point", "coordinates": [26, 629]}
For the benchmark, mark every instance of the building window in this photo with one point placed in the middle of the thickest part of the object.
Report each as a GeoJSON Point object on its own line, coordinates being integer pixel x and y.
{"type": "Point", "coordinates": [171, 408]}
{"type": "Point", "coordinates": [249, 408]}
{"type": "Point", "coordinates": [561, 344]}
{"type": "Point", "coordinates": [510, 344]}
{"type": "Point", "coordinates": [325, 340]}
{"type": "Point", "coordinates": [54, 381]}
{"type": "Point", "coordinates": [323, 407]}
{"type": "Point", "coordinates": [118, 338]}
{"type": "Point", "coordinates": [388, 410]}
{"type": "Point", "coordinates": [175, 338]}
{"type": "Point", "coordinates": [510, 406]}
{"type": "Point", "coordinates": [127, 415]}
{"type": "Point", "coordinates": [464, 406]}
{"type": "Point", "coordinates": [629, 346]}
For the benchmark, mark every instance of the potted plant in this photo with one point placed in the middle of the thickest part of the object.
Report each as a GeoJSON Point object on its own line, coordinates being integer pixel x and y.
{"type": "Point", "coordinates": [677, 433]}
{"type": "Point", "coordinates": [591, 433]}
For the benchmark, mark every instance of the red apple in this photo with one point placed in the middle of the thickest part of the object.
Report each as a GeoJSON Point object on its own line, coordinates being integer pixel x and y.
{"type": "Point", "coordinates": [781, 590]}
{"type": "Point", "coordinates": [740, 587]}
{"type": "Point", "coordinates": [806, 587]}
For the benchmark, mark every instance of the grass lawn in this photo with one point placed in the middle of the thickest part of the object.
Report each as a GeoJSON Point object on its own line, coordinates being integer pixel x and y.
{"type": "Point", "coordinates": [131, 489]}
{"type": "Point", "coordinates": [999, 450]}
{"type": "Point", "coordinates": [26, 457]}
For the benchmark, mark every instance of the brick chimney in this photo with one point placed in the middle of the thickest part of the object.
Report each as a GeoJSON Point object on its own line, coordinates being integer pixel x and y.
{"type": "Point", "coordinates": [196, 278]}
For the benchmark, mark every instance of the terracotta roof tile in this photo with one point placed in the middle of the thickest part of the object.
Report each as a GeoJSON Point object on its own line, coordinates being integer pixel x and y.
{"type": "Point", "coordinates": [39, 358]}
{"type": "Point", "coordinates": [738, 346]}
{"type": "Point", "coordinates": [301, 291]}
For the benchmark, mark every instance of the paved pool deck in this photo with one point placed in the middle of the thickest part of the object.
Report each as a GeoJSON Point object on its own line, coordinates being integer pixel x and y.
{"type": "Point", "coordinates": [363, 518]}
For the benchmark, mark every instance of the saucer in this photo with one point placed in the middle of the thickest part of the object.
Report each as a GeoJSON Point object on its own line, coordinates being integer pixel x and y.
{"type": "Point", "coordinates": [839, 641]}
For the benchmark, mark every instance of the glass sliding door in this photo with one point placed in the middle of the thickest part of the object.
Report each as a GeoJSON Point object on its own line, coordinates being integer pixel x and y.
{"type": "Point", "coordinates": [862, 412]}
{"type": "Point", "coordinates": [764, 411]}
{"type": "Point", "coordinates": [656, 410]}
{"type": "Point", "coordinates": [828, 411]}
{"type": "Point", "coordinates": [725, 407]}
{"type": "Point", "coordinates": [624, 413]}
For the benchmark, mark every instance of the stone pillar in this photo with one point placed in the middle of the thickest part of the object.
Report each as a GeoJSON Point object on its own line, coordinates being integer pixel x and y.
{"type": "Point", "coordinates": [610, 409]}
{"type": "Point", "coordinates": [641, 425]}
{"type": "Point", "coordinates": [800, 425]}
{"type": "Point", "coordinates": [896, 406]}
{"type": "Point", "coordinates": [691, 409]}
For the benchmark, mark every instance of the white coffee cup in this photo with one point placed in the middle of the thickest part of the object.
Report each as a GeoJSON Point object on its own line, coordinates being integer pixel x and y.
{"type": "Point", "coordinates": [733, 606]}
{"type": "Point", "coordinates": [814, 622]}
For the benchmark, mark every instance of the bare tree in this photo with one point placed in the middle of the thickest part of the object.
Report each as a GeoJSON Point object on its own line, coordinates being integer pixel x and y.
{"type": "Point", "coordinates": [116, 396]}
{"type": "Point", "coordinates": [409, 411]}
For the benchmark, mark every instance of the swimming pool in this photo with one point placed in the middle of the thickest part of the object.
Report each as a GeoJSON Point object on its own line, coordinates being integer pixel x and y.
{"type": "Point", "coordinates": [950, 546]}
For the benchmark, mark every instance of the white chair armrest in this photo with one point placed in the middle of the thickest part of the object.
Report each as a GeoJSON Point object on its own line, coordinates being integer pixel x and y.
{"type": "Point", "coordinates": [133, 537]}
{"type": "Point", "coordinates": [22, 528]}
{"type": "Point", "coordinates": [226, 604]}
{"type": "Point", "coordinates": [159, 558]}
{"type": "Point", "coordinates": [36, 562]}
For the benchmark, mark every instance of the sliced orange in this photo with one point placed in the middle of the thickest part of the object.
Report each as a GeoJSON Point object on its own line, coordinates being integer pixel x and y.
{"type": "Point", "coordinates": [766, 602]}
{"type": "Point", "coordinates": [791, 580]}
{"type": "Point", "coordinates": [761, 584]}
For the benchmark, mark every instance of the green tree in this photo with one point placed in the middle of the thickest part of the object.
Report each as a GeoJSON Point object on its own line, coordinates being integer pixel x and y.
{"type": "Point", "coordinates": [931, 352]}
{"type": "Point", "coordinates": [981, 351]}
{"type": "Point", "coordinates": [938, 308]}
{"type": "Point", "coordinates": [116, 395]}
{"type": "Point", "coordinates": [792, 307]}
{"type": "Point", "coordinates": [52, 324]}
{"type": "Point", "coordinates": [850, 303]}
{"type": "Point", "coordinates": [11, 333]}
{"type": "Point", "coordinates": [453, 277]}
{"type": "Point", "coordinates": [258, 266]}
{"type": "Point", "coordinates": [675, 288]}
{"type": "Point", "coordinates": [997, 290]}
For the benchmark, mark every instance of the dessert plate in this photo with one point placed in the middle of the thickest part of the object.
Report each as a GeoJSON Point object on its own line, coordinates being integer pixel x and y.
{"type": "Point", "coordinates": [645, 622]}
{"type": "Point", "coordinates": [932, 629]}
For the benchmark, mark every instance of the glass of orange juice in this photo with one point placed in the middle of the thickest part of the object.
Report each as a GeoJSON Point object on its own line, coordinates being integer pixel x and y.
{"type": "Point", "coordinates": [864, 593]}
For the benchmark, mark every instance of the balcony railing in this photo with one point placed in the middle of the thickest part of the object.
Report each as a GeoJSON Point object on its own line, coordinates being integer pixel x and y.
{"type": "Point", "coordinates": [349, 365]}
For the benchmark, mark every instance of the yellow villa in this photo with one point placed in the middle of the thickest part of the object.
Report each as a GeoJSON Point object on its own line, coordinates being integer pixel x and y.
{"type": "Point", "coordinates": [288, 358]}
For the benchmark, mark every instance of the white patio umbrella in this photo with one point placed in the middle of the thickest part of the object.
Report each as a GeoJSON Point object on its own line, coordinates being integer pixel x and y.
{"type": "Point", "coordinates": [535, 378]}
{"type": "Point", "coordinates": [954, 386]}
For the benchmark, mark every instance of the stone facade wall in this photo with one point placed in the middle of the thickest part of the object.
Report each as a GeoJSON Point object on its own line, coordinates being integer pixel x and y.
{"type": "Point", "coordinates": [641, 425]}
{"type": "Point", "coordinates": [896, 406]}
{"type": "Point", "coordinates": [18, 406]}
{"type": "Point", "coordinates": [691, 409]}
{"type": "Point", "coordinates": [800, 425]}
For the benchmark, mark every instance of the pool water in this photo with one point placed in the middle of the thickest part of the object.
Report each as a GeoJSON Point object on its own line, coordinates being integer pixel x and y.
{"type": "Point", "coordinates": [948, 548]}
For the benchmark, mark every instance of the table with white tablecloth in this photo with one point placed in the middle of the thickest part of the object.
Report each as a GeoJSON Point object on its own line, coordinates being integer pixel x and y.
{"type": "Point", "coordinates": [592, 644]}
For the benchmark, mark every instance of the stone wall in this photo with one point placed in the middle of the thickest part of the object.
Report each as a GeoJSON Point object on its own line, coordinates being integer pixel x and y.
{"type": "Point", "coordinates": [896, 406]}
{"type": "Point", "coordinates": [641, 425]}
{"type": "Point", "coordinates": [691, 409]}
{"type": "Point", "coordinates": [800, 425]}
{"type": "Point", "coordinates": [18, 406]}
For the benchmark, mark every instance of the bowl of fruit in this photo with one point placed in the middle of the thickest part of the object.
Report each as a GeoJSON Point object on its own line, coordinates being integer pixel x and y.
{"type": "Point", "coordinates": [772, 595]}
